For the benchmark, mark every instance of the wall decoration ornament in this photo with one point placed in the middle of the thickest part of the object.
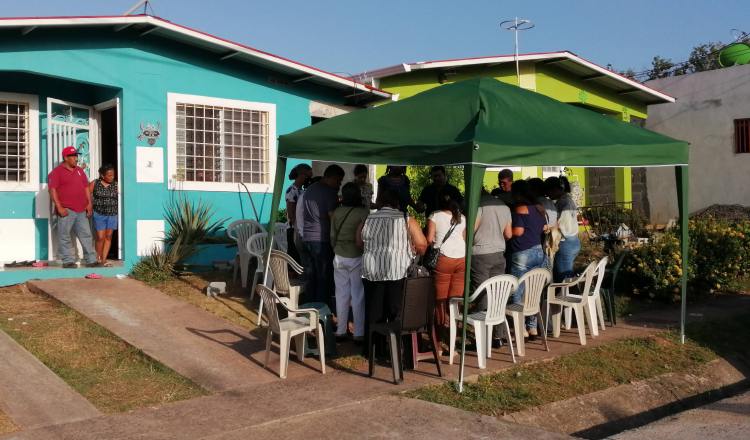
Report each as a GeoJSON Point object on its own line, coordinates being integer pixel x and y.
{"type": "Point", "coordinates": [150, 132]}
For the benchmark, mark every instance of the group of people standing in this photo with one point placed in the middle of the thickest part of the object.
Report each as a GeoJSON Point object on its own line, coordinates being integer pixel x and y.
{"type": "Point", "coordinates": [362, 250]}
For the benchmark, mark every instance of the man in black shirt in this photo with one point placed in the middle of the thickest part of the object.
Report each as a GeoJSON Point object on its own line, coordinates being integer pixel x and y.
{"type": "Point", "coordinates": [504, 180]}
{"type": "Point", "coordinates": [428, 199]}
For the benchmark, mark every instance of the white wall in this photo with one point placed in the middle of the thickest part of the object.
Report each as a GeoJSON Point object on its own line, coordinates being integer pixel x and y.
{"type": "Point", "coordinates": [707, 105]}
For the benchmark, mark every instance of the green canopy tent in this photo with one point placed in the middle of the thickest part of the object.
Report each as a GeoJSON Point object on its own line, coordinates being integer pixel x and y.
{"type": "Point", "coordinates": [479, 123]}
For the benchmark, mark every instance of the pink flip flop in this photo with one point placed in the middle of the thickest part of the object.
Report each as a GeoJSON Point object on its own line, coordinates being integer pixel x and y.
{"type": "Point", "coordinates": [93, 276]}
{"type": "Point", "coordinates": [39, 264]}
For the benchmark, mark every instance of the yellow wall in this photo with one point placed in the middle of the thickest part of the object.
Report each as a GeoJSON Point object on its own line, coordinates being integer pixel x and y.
{"type": "Point", "coordinates": [547, 80]}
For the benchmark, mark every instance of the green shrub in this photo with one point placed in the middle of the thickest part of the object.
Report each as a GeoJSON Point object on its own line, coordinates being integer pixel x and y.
{"type": "Point", "coordinates": [158, 266]}
{"type": "Point", "coordinates": [719, 260]}
{"type": "Point", "coordinates": [719, 253]}
{"type": "Point", "coordinates": [654, 269]}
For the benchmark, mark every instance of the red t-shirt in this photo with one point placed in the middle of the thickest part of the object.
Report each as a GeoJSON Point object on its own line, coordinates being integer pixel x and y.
{"type": "Point", "coordinates": [71, 186]}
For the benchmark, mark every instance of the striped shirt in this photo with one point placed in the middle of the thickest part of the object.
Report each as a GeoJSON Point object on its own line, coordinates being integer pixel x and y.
{"type": "Point", "coordinates": [387, 253]}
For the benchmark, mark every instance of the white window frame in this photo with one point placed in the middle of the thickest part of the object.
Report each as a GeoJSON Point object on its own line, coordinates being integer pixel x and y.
{"type": "Point", "coordinates": [32, 101]}
{"type": "Point", "coordinates": [173, 99]}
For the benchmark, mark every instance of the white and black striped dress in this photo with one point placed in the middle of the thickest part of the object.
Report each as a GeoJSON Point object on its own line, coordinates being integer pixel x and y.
{"type": "Point", "coordinates": [387, 253]}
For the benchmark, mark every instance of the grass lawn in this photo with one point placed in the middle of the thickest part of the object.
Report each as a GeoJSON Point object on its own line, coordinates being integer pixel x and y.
{"type": "Point", "coordinates": [6, 425]}
{"type": "Point", "coordinates": [235, 306]}
{"type": "Point", "coordinates": [110, 373]}
{"type": "Point", "coordinates": [595, 369]}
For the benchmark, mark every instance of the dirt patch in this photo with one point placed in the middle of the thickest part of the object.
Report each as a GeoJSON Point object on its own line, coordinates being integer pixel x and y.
{"type": "Point", "coordinates": [6, 424]}
{"type": "Point", "coordinates": [723, 212]}
{"type": "Point", "coordinates": [234, 306]}
{"type": "Point", "coordinates": [110, 373]}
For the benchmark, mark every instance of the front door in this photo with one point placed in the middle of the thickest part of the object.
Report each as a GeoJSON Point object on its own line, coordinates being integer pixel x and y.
{"type": "Point", "coordinates": [69, 124]}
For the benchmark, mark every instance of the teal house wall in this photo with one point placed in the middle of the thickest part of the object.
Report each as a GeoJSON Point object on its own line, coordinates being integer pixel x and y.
{"type": "Point", "coordinates": [89, 66]}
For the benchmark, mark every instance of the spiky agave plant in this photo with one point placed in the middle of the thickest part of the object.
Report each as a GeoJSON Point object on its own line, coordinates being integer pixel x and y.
{"type": "Point", "coordinates": [190, 224]}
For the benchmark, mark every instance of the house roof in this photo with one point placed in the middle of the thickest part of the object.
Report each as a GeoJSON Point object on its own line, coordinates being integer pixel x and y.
{"type": "Point", "coordinates": [565, 60]}
{"type": "Point", "coordinates": [224, 49]}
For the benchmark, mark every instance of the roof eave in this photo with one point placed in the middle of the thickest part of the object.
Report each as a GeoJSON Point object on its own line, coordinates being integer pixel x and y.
{"type": "Point", "coordinates": [330, 79]}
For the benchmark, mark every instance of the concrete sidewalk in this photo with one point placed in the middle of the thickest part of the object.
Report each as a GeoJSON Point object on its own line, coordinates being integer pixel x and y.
{"type": "Point", "coordinates": [726, 419]}
{"type": "Point", "coordinates": [337, 405]}
{"type": "Point", "coordinates": [212, 352]}
{"type": "Point", "coordinates": [34, 396]}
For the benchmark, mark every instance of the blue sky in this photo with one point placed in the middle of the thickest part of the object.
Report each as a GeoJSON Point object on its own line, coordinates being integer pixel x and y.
{"type": "Point", "coordinates": [352, 36]}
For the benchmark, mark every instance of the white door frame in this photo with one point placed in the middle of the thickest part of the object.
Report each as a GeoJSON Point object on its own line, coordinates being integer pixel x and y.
{"type": "Point", "coordinates": [98, 108]}
{"type": "Point", "coordinates": [53, 156]}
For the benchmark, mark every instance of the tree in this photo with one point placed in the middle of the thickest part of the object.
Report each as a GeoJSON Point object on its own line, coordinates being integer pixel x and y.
{"type": "Point", "coordinates": [705, 57]}
{"type": "Point", "coordinates": [630, 73]}
{"type": "Point", "coordinates": [660, 68]}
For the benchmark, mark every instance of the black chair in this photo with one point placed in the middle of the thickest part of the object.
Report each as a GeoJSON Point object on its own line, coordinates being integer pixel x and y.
{"type": "Point", "coordinates": [608, 293]}
{"type": "Point", "coordinates": [416, 314]}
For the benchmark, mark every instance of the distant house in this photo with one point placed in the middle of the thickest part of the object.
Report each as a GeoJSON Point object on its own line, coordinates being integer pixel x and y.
{"type": "Point", "coordinates": [560, 75]}
{"type": "Point", "coordinates": [176, 110]}
{"type": "Point", "coordinates": [713, 114]}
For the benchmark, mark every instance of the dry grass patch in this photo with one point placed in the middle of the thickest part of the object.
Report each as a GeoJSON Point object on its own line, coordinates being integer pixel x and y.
{"type": "Point", "coordinates": [6, 424]}
{"type": "Point", "coordinates": [234, 306]}
{"type": "Point", "coordinates": [576, 374]}
{"type": "Point", "coordinates": [111, 374]}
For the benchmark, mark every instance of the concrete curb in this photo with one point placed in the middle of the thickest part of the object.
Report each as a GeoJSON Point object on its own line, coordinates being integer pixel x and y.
{"type": "Point", "coordinates": [606, 412]}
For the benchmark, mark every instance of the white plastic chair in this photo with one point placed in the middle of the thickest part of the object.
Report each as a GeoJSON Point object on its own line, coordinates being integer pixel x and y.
{"type": "Point", "coordinates": [280, 241]}
{"type": "Point", "coordinates": [256, 248]}
{"type": "Point", "coordinates": [240, 231]}
{"type": "Point", "coordinates": [282, 285]}
{"type": "Point", "coordinates": [534, 282]}
{"type": "Point", "coordinates": [295, 326]}
{"type": "Point", "coordinates": [498, 289]}
{"type": "Point", "coordinates": [595, 299]}
{"type": "Point", "coordinates": [558, 294]}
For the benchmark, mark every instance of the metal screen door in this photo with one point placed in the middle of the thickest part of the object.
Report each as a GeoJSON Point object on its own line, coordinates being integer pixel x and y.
{"type": "Point", "coordinates": [69, 124]}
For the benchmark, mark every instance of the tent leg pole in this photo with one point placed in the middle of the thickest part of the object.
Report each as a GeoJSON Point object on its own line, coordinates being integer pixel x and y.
{"type": "Point", "coordinates": [278, 189]}
{"type": "Point", "coordinates": [681, 174]}
{"type": "Point", "coordinates": [473, 177]}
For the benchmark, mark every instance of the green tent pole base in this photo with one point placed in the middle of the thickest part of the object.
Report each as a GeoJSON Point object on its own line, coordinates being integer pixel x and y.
{"type": "Point", "coordinates": [681, 174]}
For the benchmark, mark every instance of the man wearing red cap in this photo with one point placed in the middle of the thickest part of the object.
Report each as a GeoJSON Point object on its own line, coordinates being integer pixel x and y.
{"type": "Point", "coordinates": [68, 188]}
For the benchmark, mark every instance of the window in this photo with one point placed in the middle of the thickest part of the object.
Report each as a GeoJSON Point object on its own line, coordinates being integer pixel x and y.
{"type": "Point", "coordinates": [742, 135]}
{"type": "Point", "coordinates": [552, 172]}
{"type": "Point", "coordinates": [220, 143]}
{"type": "Point", "coordinates": [18, 142]}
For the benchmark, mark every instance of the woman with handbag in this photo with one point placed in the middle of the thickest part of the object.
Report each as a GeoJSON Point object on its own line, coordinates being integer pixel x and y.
{"type": "Point", "coordinates": [390, 240]}
{"type": "Point", "coordinates": [347, 261]}
{"type": "Point", "coordinates": [446, 234]}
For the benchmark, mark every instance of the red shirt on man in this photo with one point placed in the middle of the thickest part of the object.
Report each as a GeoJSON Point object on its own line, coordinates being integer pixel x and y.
{"type": "Point", "coordinates": [71, 186]}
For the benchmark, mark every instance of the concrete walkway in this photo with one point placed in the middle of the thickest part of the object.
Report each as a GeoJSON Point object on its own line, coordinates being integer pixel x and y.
{"type": "Point", "coordinates": [32, 395]}
{"type": "Point", "coordinates": [212, 352]}
{"type": "Point", "coordinates": [726, 419]}
{"type": "Point", "coordinates": [337, 405]}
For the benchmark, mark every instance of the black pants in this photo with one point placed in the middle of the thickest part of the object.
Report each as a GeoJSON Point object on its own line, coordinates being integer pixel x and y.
{"type": "Point", "coordinates": [382, 302]}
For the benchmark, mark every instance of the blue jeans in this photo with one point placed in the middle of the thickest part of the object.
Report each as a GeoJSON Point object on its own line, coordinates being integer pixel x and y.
{"type": "Point", "coordinates": [520, 263]}
{"type": "Point", "coordinates": [318, 272]}
{"type": "Point", "coordinates": [565, 258]}
{"type": "Point", "coordinates": [78, 222]}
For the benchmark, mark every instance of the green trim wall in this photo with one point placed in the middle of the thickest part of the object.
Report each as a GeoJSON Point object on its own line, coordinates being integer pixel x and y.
{"type": "Point", "coordinates": [547, 80]}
